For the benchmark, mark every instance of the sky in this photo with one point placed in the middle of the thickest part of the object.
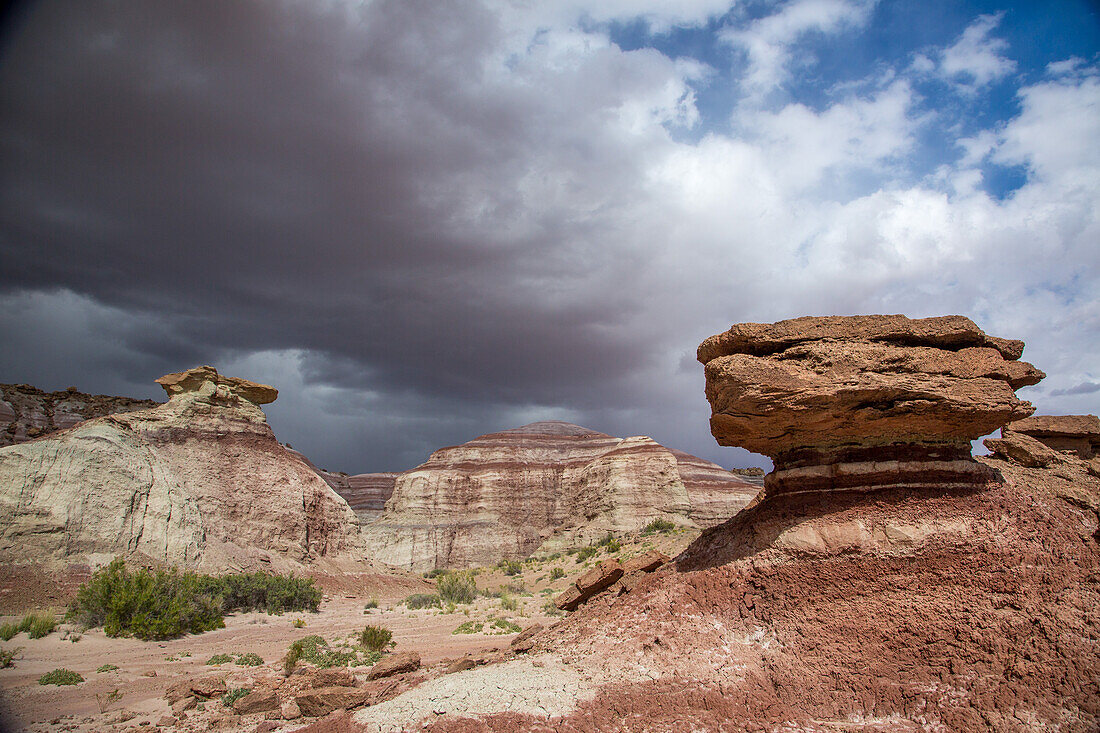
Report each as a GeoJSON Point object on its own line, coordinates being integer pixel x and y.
{"type": "Point", "coordinates": [423, 221]}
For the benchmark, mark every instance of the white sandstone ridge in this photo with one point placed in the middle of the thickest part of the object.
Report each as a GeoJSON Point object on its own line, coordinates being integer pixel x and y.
{"type": "Point", "coordinates": [542, 488]}
{"type": "Point", "coordinates": [199, 482]}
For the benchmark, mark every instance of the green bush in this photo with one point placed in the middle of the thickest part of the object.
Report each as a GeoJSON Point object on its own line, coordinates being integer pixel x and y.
{"type": "Point", "coordinates": [504, 626]}
{"type": "Point", "coordinates": [658, 525]}
{"type": "Point", "coordinates": [36, 624]}
{"type": "Point", "coordinates": [60, 677]}
{"type": "Point", "coordinates": [508, 603]}
{"type": "Point", "coordinates": [423, 600]}
{"type": "Point", "coordinates": [435, 572]}
{"type": "Point", "coordinates": [164, 604]}
{"type": "Point", "coordinates": [375, 638]}
{"type": "Point", "coordinates": [112, 668]}
{"type": "Point", "coordinates": [234, 695]}
{"type": "Point", "coordinates": [550, 608]}
{"type": "Point", "coordinates": [372, 603]}
{"type": "Point", "coordinates": [251, 659]}
{"type": "Point", "coordinates": [511, 567]}
{"type": "Point", "coordinates": [220, 659]}
{"type": "Point", "coordinates": [315, 650]}
{"type": "Point", "coordinates": [8, 630]}
{"type": "Point", "coordinates": [613, 546]}
{"type": "Point", "coordinates": [557, 573]}
{"type": "Point", "coordinates": [7, 657]}
{"type": "Point", "coordinates": [586, 552]}
{"type": "Point", "coordinates": [457, 587]}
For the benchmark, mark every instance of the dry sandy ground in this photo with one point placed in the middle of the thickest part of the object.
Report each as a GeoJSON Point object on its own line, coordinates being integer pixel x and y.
{"type": "Point", "coordinates": [132, 696]}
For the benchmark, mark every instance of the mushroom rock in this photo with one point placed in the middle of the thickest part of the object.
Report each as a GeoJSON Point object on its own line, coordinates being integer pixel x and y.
{"type": "Point", "coordinates": [199, 481]}
{"type": "Point", "coordinates": [862, 402]}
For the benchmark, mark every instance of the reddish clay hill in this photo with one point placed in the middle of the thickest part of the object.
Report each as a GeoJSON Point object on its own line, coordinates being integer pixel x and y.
{"type": "Point", "coordinates": [963, 595]}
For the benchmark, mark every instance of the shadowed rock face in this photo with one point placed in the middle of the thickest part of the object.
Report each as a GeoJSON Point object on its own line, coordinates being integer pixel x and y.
{"type": "Point", "coordinates": [859, 402]}
{"type": "Point", "coordinates": [1077, 433]}
{"type": "Point", "coordinates": [541, 488]}
{"type": "Point", "coordinates": [365, 493]}
{"type": "Point", "coordinates": [199, 481]}
{"type": "Point", "coordinates": [27, 412]}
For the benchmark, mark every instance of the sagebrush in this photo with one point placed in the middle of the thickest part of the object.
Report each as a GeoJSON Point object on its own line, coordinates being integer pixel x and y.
{"type": "Point", "coordinates": [457, 587]}
{"type": "Point", "coordinates": [163, 604]}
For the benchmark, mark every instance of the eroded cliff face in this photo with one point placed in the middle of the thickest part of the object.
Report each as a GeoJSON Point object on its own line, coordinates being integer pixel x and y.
{"type": "Point", "coordinates": [27, 412]}
{"type": "Point", "coordinates": [199, 482]}
{"type": "Point", "coordinates": [537, 489]}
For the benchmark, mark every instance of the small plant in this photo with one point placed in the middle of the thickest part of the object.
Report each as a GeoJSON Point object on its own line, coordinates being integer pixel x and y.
{"type": "Point", "coordinates": [177, 657]}
{"type": "Point", "coordinates": [36, 624]}
{"type": "Point", "coordinates": [299, 623]}
{"type": "Point", "coordinates": [234, 695]}
{"type": "Point", "coordinates": [375, 638]}
{"type": "Point", "coordinates": [8, 630]}
{"type": "Point", "coordinates": [105, 700]}
{"type": "Point", "coordinates": [550, 608]}
{"type": "Point", "coordinates": [557, 573]}
{"type": "Point", "coordinates": [220, 659]}
{"type": "Point", "coordinates": [504, 626]}
{"type": "Point", "coordinates": [109, 668]}
{"type": "Point", "coordinates": [251, 659]}
{"type": "Point", "coordinates": [586, 552]}
{"type": "Point", "coordinates": [372, 603]}
{"type": "Point", "coordinates": [457, 587]}
{"type": "Point", "coordinates": [511, 567]}
{"type": "Point", "coordinates": [434, 573]}
{"type": "Point", "coordinates": [658, 525]}
{"type": "Point", "coordinates": [508, 603]}
{"type": "Point", "coordinates": [469, 627]}
{"type": "Point", "coordinates": [315, 650]}
{"type": "Point", "coordinates": [60, 677]}
{"type": "Point", "coordinates": [423, 600]}
{"type": "Point", "coordinates": [7, 657]}
{"type": "Point", "coordinates": [613, 546]}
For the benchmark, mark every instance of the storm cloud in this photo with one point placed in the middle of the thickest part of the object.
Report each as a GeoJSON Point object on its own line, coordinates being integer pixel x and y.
{"type": "Point", "coordinates": [423, 221]}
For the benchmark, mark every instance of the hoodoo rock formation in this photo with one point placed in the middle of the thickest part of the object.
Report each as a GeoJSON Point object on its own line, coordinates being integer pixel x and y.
{"type": "Point", "coordinates": [540, 488]}
{"type": "Point", "coordinates": [858, 402]}
{"type": "Point", "coordinates": [27, 412]}
{"type": "Point", "coordinates": [199, 482]}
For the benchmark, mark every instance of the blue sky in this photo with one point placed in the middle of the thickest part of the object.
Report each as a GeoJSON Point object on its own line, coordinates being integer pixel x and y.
{"type": "Point", "coordinates": [424, 221]}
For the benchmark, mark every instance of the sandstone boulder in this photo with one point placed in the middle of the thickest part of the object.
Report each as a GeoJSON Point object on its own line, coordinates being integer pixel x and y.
{"type": "Point", "coordinates": [543, 488]}
{"type": "Point", "coordinates": [524, 641]}
{"type": "Point", "coordinates": [647, 562]}
{"type": "Point", "coordinates": [597, 579]}
{"type": "Point", "coordinates": [1022, 449]}
{"type": "Point", "coordinates": [857, 402]}
{"type": "Point", "coordinates": [392, 664]}
{"type": "Point", "coordinates": [257, 701]}
{"type": "Point", "coordinates": [323, 700]}
{"type": "Point", "coordinates": [1079, 434]}
{"type": "Point", "coordinates": [199, 482]}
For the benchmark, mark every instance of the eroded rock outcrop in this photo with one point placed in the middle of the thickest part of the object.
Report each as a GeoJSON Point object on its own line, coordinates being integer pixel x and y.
{"type": "Point", "coordinates": [199, 481]}
{"type": "Point", "coordinates": [27, 412]}
{"type": "Point", "coordinates": [859, 402]}
{"type": "Point", "coordinates": [542, 488]}
{"type": "Point", "coordinates": [365, 493]}
{"type": "Point", "coordinates": [1078, 434]}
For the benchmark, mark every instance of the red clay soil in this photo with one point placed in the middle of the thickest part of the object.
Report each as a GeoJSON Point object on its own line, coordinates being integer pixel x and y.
{"type": "Point", "coordinates": [983, 616]}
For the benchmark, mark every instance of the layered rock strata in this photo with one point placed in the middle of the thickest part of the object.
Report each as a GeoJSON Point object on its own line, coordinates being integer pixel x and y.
{"type": "Point", "coordinates": [365, 493]}
{"type": "Point", "coordinates": [27, 412]}
{"type": "Point", "coordinates": [542, 488]}
{"type": "Point", "coordinates": [198, 482]}
{"type": "Point", "coordinates": [861, 402]}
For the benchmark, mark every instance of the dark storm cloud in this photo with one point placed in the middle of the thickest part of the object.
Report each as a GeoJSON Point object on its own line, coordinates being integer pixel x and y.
{"type": "Point", "coordinates": [238, 177]}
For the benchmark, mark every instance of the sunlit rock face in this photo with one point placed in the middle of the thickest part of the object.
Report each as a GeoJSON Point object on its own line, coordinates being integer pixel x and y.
{"type": "Point", "coordinates": [199, 481]}
{"type": "Point", "coordinates": [861, 402]}
{"type": "Point", "coordinates": [541, 488]}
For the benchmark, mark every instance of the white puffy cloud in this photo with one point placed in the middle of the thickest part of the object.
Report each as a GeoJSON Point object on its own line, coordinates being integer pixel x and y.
{"type": "Point", "coordinates": [977, 58]}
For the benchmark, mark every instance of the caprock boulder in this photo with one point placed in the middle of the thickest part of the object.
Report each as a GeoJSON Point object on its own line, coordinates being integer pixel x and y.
{"type": "Point", "coordinates": [198, 482]}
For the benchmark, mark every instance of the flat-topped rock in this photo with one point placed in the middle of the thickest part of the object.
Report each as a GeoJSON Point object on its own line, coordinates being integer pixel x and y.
{"type": "Point", "coordinates": [858, 402]}
{"type": "Point", "coordinates": [206, 381]}
{"type": "Point", "coordinates": [1077, 433]}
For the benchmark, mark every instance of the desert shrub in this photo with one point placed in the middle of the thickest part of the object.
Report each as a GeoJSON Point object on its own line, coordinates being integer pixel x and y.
{"type": "Point", "coordinates": [299, 623]}
{"type": "Point", "coordinates": [164, 604]}
{"type": "Point", "coordinates": [375, 638]}
{"type": "Point", "coordinates": [557, 573]}
{"type": "Point", "coordinates": [504, 626]}
{"type": "Point", "coordinates": [614, 546]}
{"type": "Point", "coordinates": [7, 657]}
{"type": "Point", "coordinates": [658, 525]}
{"type": "Point", "coordinates": [457, 587]}
{"type": "Point", "coordinates": [372, 603]}
{"type": "Point", "coordinates": [111, 668]}
{"type": "Point", "coordinates": [234, 695]}
{"type": "Point", "coordinates": [508, 603]}
{"type": "Point", "coordinates": [586, 552]}
{"type": "Point", "coordinates": [423, 600]}
{"type": "Point", "coordinates": [220, 659]}
{"type": "Point", "coordinates": [251, 659]}
{"type": "Point", "coordinates": [36, 624]}
{"type": "Point", "coordinates": [435, 573]}
{"type": "Point", "coordinates": [315, 650]}
{"type": "Point", "coordinates": [469, 627]}
{"type": "Point", "coordinates": [511, 567]}
{"type": "Point", "coordinates": [8, 630]}
{"type": "Point", "coordinates": [550, 608]}
{"type": "Point", "coordinates": [60, 677]}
